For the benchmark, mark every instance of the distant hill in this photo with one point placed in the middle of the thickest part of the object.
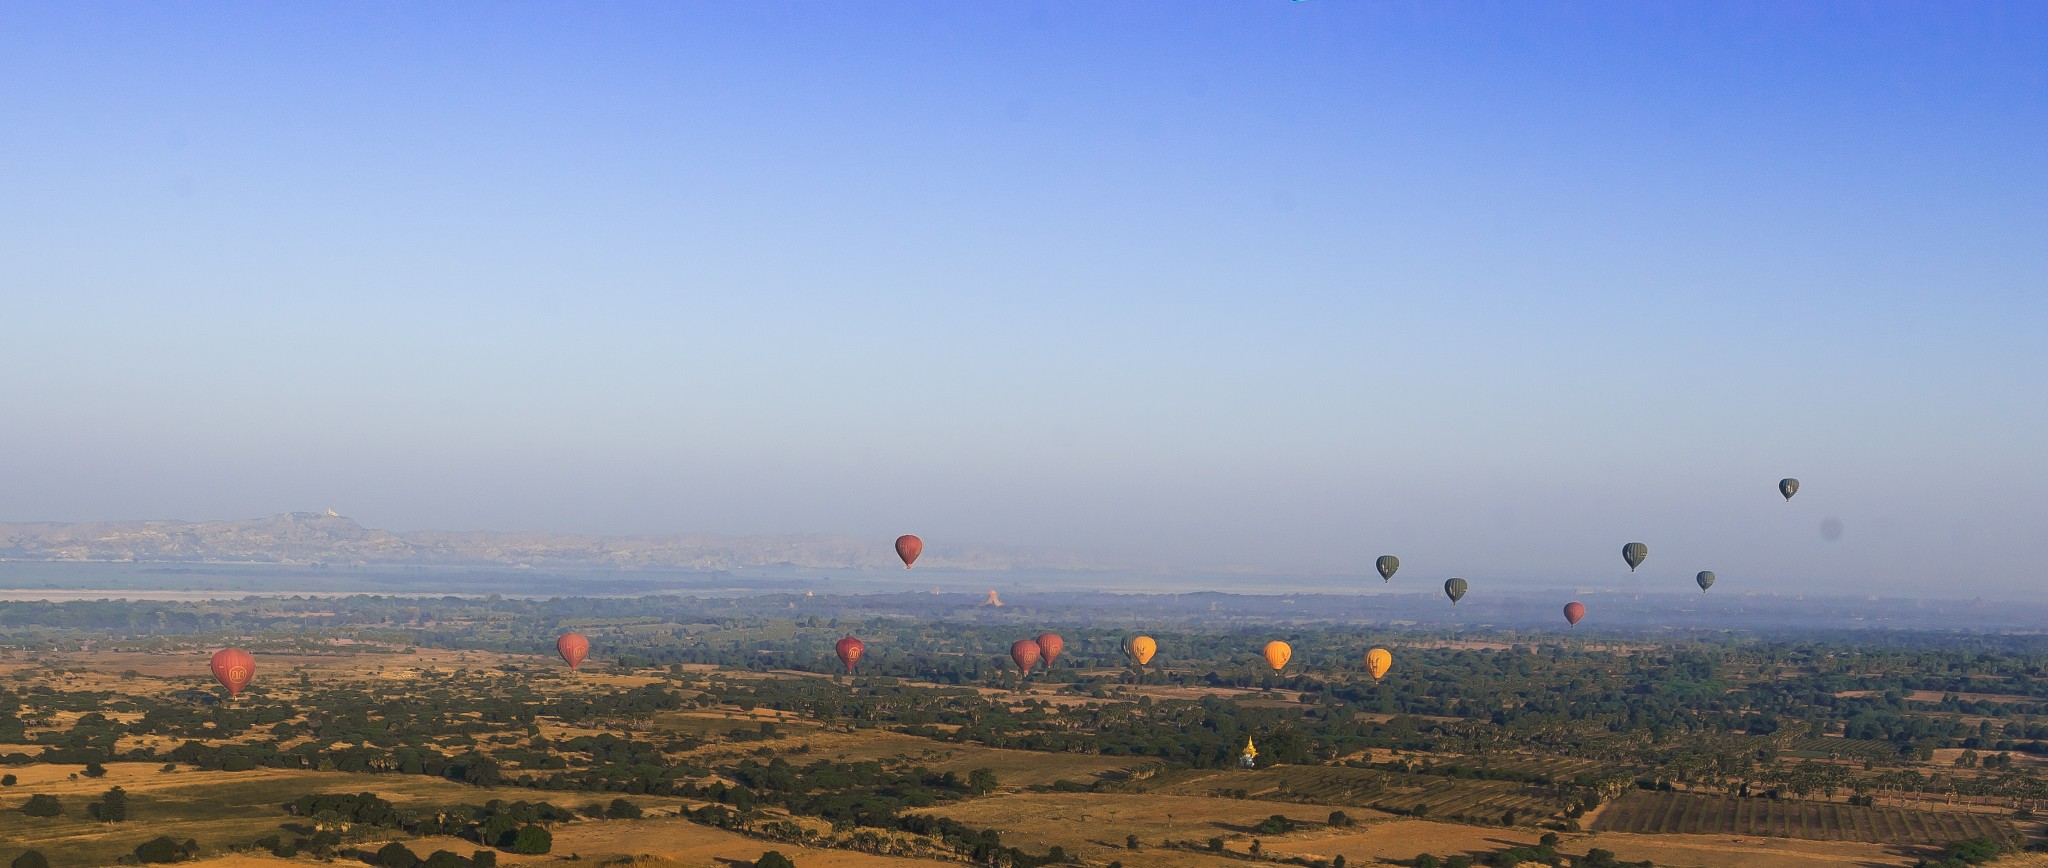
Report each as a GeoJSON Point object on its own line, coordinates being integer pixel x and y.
{"type": "Point", "coordinates": [327, 538]}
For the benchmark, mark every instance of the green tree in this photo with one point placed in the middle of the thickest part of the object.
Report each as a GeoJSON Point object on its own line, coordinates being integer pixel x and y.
{"type": "Point", "coordinates": [95, 770]}
{"type": "Point", "coordinates": [981, 782]}
{"type": "Point", "coordinates": [162, 849]}
{"type": "Point", "coordinates": [42, 805]}
{"type": "Point", "coordinates": [30, 859]}
{"type": "Point", "coordinates": [112, 806]}
{"type": "Point", "coordinates": [620, 809]}
{"type": "Point", "coordinates": [8, 780]}
{"type": "Point", "coordinates": [773, 859]}
{"type": "Point", "coordinates": [396, 855]}
{"type": "Point", "coordinates": [533, 840]}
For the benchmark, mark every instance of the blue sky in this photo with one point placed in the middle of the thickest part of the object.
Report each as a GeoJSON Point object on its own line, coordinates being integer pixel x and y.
{"type": "Point", "coordinates": [1497, 287]}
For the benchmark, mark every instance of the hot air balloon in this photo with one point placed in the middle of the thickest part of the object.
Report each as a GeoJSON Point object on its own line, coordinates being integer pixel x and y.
{"type": "Point", "coordinates": [233, 667]}
{"type": "Point", "coordinates": [1455, 589]}
{"type": "Point", "coordinates": [1705, 579]}
{"type": "Point", "coordinates": [1277, 655]}
{"type": "Point", "coordinates": [1025, 652]}
{"type": "Point", "coordinates": [1049, 645]}
{"type": "Point", "coordinates": [1377, 662]}
{"type": "Point", "coordinates": [1788, 487]}
{"type": "Point", "coordinates": [573, 648]}
{"type": "Point", "coordinates": [1634, 553]}
{"type": "Point", "coordinates": [1142, 649]}
{"type": "Point", "coordinates": [1387, 564]}
{"type": "Point", "coordinates": [850, 650]}
{"type": "Point", "coordinates": [1573, 611]}
{"type": "Point", "coordinates": [908, 548]}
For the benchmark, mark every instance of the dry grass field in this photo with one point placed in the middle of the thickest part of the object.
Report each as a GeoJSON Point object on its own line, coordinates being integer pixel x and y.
{"type": "Point", "coordinates": [1693, 813]}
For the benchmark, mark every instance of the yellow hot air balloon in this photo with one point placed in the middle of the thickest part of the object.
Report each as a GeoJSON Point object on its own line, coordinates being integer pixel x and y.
{"type": "Point", "coordinates": [1142, 649]}
{"type": "Point", "coordinates": [1377, 662]}
{"type": "Point", "coordinates": [1277, 655]}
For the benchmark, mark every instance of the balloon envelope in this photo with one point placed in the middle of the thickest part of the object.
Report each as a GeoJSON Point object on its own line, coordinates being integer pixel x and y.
{"type": "Point", "coordinates": [1142, 649]}
{"type": "Point", "coordinates": [908, 548]}
{"type": "Point", "coordinates": [1277, 655]}
{"type": "Point", "coordinates": [849, 650]}
{"type": "Point", "coordinates": [1455, 589]}
{"type": "Point", "coordinates": [1573, 611]}
{"type": "Point", "coordinates": [233, 667]}
{"type": "Point", "coordinates": [1705, 580]}
{"type": "Point", "coordinates": [573, 648]}
{"type": "Point", "coordinates": [1049, 646]}
{"type": "Point", "coordinates": [1634, 553]}
{"type": "Point", "coordinates": [1377, 662]}
{"type": "Point", "coordinates": [1025, 653]}
{"type": "Point", "coordinates": [1788, 487]}
{"type": "Point", "coordinates": [1387, 564]}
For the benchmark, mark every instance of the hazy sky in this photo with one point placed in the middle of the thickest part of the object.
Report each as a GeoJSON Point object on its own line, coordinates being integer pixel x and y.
{"type": "Point", "coordinates": [1495, 287]}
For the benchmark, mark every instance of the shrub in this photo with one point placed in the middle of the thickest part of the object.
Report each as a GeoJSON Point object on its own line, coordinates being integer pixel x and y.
{"type": "Point", "coordinates": [164, 849]}
{"type": "Point", "coordinates": [620, 809]}
{"type": "Point", "coordinates": [396, 855]}
{"type": "Point", "coordinates": [42, 805]}
{"type": "Point", "coordinates": [112, 807]}
{"type": "Point", "coordinates": [532, 840]}
{"type": "Point", "coordinates": [772, 859]}
{"type": "Point", "coordinates": [95, 770]}
{"type": "Point", "coordinates": [8, 781]}
{"type": "Point", "coordinates": [444, 859]}
{"type": "Point", "coordinates": [30, 859]}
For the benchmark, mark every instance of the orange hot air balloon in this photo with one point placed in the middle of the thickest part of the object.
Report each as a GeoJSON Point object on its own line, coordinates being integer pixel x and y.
{"type": "Point", "coordinates": [573, 648]}
{"type": "Point", "coordinates": [233, 667]}
{"type": "Point", "coordinates": [1277, 655]}
{"type": "Point", "coordinates": [1025, 652]}
{"type": "Point", "coordinates": [1049, 645]}
{"type": "Point", "coordinates": [1142, 649]}
{"type": "Point", "coordinates": [908, 548]}
{"type": "Point", "coordinates": [1573, 611]}
{"type": "Point", "coordinates": [1377, 662]}
{"type": "Point", "coordinates": [850, 650]}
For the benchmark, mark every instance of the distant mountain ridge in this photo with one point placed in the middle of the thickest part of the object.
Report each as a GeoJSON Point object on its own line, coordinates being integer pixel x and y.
{"type": "Point", "coordinates": [328, 538]}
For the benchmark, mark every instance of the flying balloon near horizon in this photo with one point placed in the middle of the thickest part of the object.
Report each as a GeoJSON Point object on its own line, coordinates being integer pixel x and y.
{"type": "Point", "coordinates": [1573, 611]}
{"type": "Point", "coordinates": [1705, 580]}
{"type": "Point", "coordinates": [233, 667]}
{"type": "Point", "coordinates": [1455, 589]}
{"type": "Point", "coordinates": [1277, 654]}
{"type": "Point", "coordinates": [1788, 487]}
{"type": "Point", "coordinates": [1387, 565]}
{"type": "Point", "coordinates": [1635, 553]}
{"type": "Point", "coordinates": [849, 650]}
{"type": "Point", "coordinates": [1025, 653]}
{"type": "Point", "coordinates": [1377, 662]}
{"type": "Point", "coordinates": [1049, 646]}
{"type": "Point", "coordinates": [908, 547]}
{"type": "Point", "coordinates": [573, 647]}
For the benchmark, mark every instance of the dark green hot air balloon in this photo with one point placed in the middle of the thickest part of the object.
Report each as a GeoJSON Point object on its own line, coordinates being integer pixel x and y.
{"type": "Point", "coordinates": [1706, 580]}
{"type": "Point", "coordinates": [1634, 553]}
{"type": "Point", "coordinates": [1455, 589]}
{"type": "Point", "coordinates": [1788, 487]}
{"type": "Point", "coordinates": [1387, 564]}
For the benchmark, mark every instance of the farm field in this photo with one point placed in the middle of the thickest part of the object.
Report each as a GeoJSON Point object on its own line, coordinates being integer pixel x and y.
{"type": "Point", "coordinates": [1694, 813]}
{"type": "Point", "coordinates": [1094, 825]}
{"type": "Point", "coordinates": [1434, 795]}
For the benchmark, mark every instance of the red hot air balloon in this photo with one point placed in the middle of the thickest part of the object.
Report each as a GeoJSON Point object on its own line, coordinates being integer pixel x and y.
{"type": "Point", "coordinates": [1049, 645]}
{"type": "Point", "coordinates": [233, 667]}
{"type": "Point", "coordinates": [1025, 652]}
{"type": "Point", "coordinates": [850, 650]}
{"type": "Point", "coordinates": [573, 648]}
{"type": "Point", "coordinates": [1573, 611]}
{"type": "Point", "coordinates": [908, 548]}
